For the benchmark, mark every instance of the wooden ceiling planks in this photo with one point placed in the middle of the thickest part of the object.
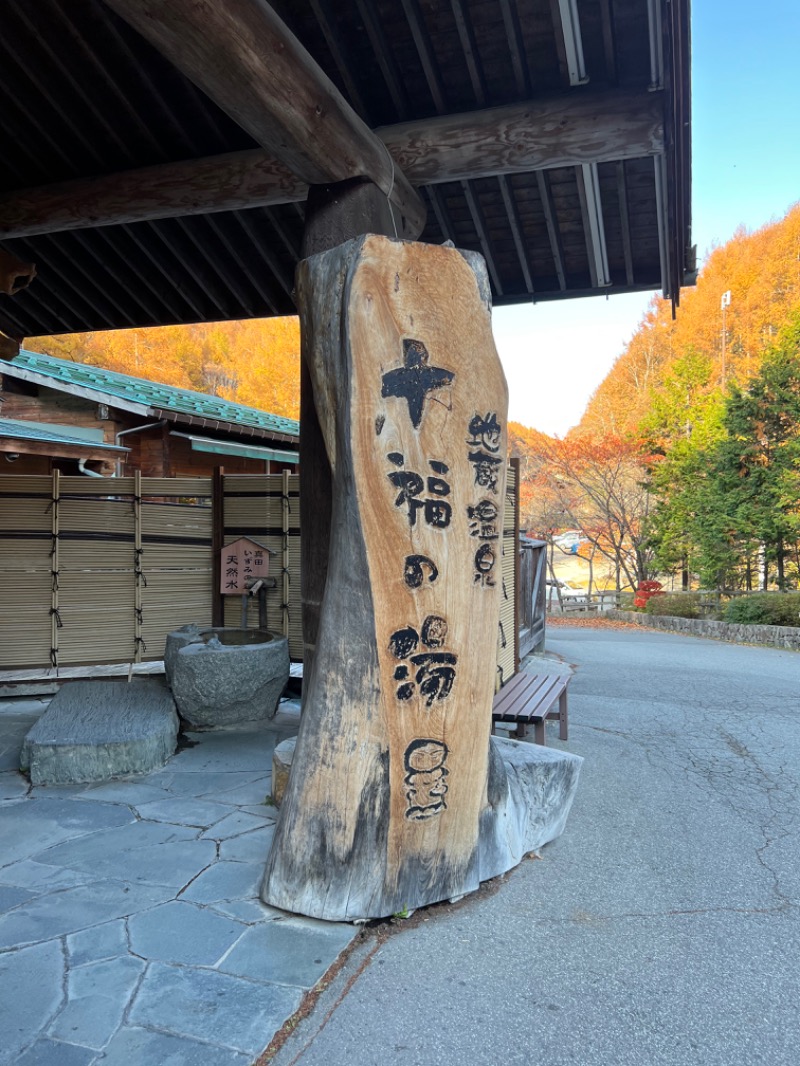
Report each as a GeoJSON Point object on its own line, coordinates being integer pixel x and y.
{"type": "Point", "coordinates": [88, 96]}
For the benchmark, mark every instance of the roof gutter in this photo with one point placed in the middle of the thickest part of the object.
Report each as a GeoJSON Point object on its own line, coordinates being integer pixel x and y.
{"type": "Point", "coordinates": [247, 451]}
{"type": "Point", "coordinates": [221, 426]}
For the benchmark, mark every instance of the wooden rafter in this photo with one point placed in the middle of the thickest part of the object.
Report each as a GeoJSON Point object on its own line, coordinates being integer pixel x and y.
{"type": "Point", "coordinates": [609, 44]}
{"type": "Point", "coordinates": [516, 230]}
{"type": "Point", "coordinates": [553, 232]}
{"type": "Point", "coordinates": [327, 23]}
{"type": "Point", "coordinates": [541, 135]}
{"type": "Point", "coordinates": [384, 57]}
{"type": "Point", "coordinates": [479, 222]}
{"type": "Point", "coordinates": [622, 195]}
{"type": "Point", "coordinates": [415, 19]}
{"type": "Point", "coordinates": [469, 46]}
{"type": "Point", "coordinates": [516, 47]}
{"type": "Point", "coordinates": [441, 213]}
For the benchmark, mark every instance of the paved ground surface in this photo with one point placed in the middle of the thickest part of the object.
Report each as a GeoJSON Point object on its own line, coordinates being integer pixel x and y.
{"type": "Point", "coordinates": [130, 931]}
{"type": "Point", "coordinates": [662, 928]}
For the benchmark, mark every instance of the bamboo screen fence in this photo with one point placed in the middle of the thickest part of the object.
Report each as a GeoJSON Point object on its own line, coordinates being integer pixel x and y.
{"type": "Point", "coordinates": [99, 571]}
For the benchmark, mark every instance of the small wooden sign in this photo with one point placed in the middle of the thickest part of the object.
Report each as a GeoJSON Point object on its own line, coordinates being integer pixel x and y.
{"type": "Point", "coordinates": [243, 562]}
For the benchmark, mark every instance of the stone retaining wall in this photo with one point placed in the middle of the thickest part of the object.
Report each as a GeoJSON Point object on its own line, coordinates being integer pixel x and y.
{"type": "Point", "coordinates": [777, 636]}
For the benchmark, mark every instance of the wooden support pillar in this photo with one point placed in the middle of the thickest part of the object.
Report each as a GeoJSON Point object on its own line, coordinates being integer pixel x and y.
{"type": "Point", "coordinates": [388, 787]}
{"type": "Point", "coordinates": [334, 214]}
{"type": "Point", "coordinates": [217, 544]}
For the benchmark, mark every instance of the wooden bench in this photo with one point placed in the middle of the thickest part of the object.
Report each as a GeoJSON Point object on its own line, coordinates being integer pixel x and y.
{"type": "Point", "coordinates": [530, 699]}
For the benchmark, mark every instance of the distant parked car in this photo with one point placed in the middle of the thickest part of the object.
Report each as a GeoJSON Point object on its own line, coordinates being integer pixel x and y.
{"type": "Point", "coordinates": [566, 589]}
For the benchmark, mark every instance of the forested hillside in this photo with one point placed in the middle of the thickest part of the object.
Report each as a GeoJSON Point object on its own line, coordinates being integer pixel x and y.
{"type": "Point", "coordinates": [687, 459]}
{"type": "Point", "coordinates": [761, 271]}
{"type": "Point", "coordinates": [256, 362]}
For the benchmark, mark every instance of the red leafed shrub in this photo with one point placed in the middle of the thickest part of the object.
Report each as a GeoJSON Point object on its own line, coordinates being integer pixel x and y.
{"type": "Point", "coordinates": [646, 590]}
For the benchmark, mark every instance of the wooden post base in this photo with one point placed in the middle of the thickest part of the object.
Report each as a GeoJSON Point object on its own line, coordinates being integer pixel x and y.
{"type": "Point", "coordinates": [389, 777]}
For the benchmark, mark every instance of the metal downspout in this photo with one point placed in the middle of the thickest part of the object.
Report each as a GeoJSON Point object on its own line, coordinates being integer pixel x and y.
{"type": "Point", "coordinates": [134, 429]}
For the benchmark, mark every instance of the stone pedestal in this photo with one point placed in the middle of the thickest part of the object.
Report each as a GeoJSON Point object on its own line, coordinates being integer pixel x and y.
{"type": "Point", "coordinates": [530, 793]}
{"type": "Point", "coordinates": [529, 796]}
{"type": "Point", "coordinates": [281, 765]}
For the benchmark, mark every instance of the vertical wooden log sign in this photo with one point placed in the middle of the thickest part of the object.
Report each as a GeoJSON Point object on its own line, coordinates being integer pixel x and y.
{"type": "Point", "coordinates": [389, 775]}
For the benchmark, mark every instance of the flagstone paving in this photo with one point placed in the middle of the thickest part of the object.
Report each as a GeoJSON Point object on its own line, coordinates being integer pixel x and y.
{"type": "Point", "coordinates": [130, 925]}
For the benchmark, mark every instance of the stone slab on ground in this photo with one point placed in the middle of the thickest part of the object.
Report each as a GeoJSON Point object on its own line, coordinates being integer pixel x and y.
{"type": "Point", "coordinates": [96, 730]}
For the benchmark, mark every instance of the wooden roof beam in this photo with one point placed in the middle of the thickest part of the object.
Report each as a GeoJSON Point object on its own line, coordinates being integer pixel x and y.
{"type": "Point", "coordinates": [564, 130]}
{"type": "Point", "coordinates": [246, 59]}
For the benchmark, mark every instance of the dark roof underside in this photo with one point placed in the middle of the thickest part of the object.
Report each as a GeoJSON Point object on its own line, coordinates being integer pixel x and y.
{"type": "Point", "coordinates": [84, 95]}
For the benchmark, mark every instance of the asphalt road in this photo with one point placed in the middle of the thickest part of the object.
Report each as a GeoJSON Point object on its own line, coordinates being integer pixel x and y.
{"type": "Point", "coordinates": [662, 928]}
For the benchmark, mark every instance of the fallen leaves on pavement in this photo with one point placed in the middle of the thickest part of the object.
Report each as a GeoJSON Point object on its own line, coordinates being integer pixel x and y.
{"type": "Point", "coordinates": [589, 621]}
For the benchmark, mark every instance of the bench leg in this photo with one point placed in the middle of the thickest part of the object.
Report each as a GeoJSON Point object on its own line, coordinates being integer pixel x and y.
{"type": "Point", "coordinates": [563, 729]}
{"type": "Point", "coordinates": [539, 733]}
{"type": "Point", "coordinates": [521, 731]}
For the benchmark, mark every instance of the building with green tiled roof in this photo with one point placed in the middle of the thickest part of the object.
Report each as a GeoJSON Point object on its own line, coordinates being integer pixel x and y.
{"type": "Point", "coordinates": [165, 431]}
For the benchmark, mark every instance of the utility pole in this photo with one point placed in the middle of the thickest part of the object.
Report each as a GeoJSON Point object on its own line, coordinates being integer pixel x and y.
{"type": "Point", "coordinates": [724, 305]}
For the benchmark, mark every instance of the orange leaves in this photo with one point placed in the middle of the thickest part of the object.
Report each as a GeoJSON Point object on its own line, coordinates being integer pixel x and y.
{"type": "Point", "coordinates": [761, 270]}
{"type": "Point", "coordinates": [255, 362]}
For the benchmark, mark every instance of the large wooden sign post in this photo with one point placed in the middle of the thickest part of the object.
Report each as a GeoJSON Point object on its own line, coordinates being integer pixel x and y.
{"type": "Point", "coordinates": [389, 777]}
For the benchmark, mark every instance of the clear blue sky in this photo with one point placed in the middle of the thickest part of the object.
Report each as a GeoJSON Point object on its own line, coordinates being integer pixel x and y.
{"type": "Point", "coordinates": [746, 171]}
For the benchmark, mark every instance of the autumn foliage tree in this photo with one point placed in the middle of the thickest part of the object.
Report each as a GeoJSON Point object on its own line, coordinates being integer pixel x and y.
{"type": "Point", "coordinates": [711, 396]}
{"type": "Point", "coordinates": [761, 270]}
{"type": "Point", "coordinates": [595, 485]}
{"type": "Point", "coordinates": [255, 362]}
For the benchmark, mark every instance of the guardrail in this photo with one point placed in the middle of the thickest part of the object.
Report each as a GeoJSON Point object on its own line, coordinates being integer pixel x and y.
{"type": "Point", "coordinates": [594, 603]}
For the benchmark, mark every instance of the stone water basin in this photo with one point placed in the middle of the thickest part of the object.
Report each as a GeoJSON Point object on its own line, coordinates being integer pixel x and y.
{"type": "Point", "coordinates": [224, 676]}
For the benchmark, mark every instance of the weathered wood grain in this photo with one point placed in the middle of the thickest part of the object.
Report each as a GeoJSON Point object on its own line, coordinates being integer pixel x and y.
{"type": "Point", "coordinates": [390, 773]}
{"type": "Point", "coordinates": [14, 274]}
{"type": "Point", "coordinates": [553, 132]}
{"type": "Point", "coordinates": [9, 347]}
{"type": "Point", "coordinates": [556, 131]}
